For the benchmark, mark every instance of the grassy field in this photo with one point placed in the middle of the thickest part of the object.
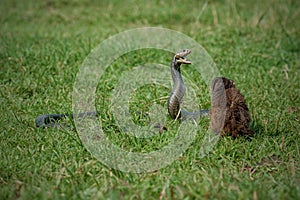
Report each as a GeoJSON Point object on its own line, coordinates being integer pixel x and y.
{"type": "Point", "coordinates": [42, 46]}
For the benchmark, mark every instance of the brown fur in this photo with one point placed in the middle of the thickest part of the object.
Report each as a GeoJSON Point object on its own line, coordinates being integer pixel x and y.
{"type": "Point", "coordinates": [235, 113]}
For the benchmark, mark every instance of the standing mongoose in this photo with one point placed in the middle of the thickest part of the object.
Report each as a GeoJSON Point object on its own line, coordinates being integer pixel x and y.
{"type": "Point", "coordinates": [229, 114]}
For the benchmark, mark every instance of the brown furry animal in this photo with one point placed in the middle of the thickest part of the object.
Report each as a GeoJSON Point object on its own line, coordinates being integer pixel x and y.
{"type": "Point", "coordinates": [229, 114]}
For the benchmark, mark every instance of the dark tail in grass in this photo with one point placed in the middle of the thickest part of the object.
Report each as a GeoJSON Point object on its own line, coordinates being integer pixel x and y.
{"type": "Point", "coordinates": [52, 120]}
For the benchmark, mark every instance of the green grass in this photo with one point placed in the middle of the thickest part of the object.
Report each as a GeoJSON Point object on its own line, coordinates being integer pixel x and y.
{"type": "Point", "coordinates": [42, 46]}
